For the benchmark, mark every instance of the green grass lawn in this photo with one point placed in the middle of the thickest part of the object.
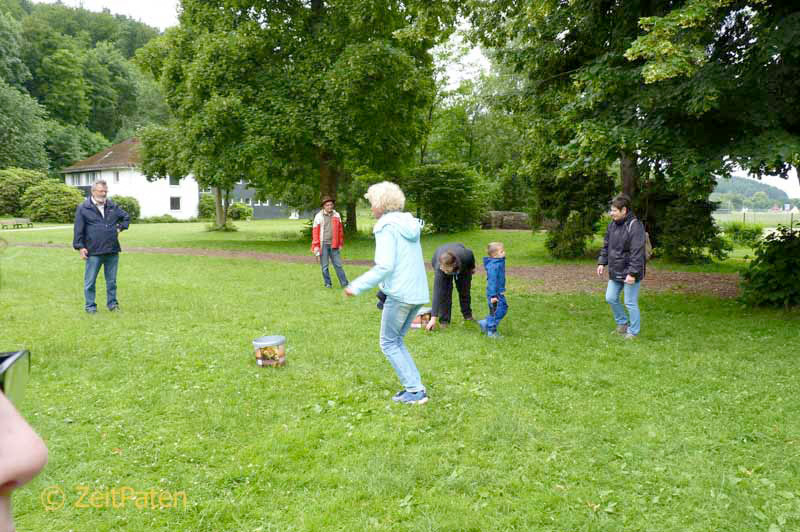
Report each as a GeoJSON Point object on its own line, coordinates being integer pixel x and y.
{"type": "Point", "coordinates": [525, 248]}
{"type": "Point", "coordinates": [559, 426]}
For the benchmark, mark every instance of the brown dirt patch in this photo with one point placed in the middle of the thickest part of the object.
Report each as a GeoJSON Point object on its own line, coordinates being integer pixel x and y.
{"type": "Point", "coordinates": [563, 278]}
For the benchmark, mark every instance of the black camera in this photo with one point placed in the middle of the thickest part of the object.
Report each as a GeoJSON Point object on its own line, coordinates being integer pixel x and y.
{"type": "Point", "coordinates": [15, 368]}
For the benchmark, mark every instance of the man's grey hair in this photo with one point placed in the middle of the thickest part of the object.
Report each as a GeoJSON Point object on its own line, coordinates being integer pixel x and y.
{"type": "Point", "coordinates": [98, 183]}
{"type": "Point", "coordinates": [386, 196]}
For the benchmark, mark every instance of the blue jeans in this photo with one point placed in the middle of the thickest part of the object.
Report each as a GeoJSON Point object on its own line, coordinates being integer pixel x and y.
{"type": "Point", "coordinates": [324, 253]}
{"type": "Point", "coordinates": [631, 302]}
{"type": "Point", "coordinates": [93, 263]}
{"type": "Point", "coordinates": [395, 321]}
{"type": "Point", "coordinates": [496, 313]}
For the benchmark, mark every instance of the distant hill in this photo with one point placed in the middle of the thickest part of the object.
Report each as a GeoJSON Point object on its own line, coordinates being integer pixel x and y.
{"type": "Point", "coordinates": [748, 187]}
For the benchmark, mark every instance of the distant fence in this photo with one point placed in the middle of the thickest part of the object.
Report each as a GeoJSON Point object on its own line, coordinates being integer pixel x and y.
{"type": "Point", "coordinates": [767, 218]}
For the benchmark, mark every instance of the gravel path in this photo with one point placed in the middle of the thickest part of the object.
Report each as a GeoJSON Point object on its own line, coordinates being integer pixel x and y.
{"type": "Point", "coordinates": [542, 279]}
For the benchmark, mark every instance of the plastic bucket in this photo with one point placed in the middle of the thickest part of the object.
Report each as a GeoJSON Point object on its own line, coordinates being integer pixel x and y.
{"type": "Point", "coordinates": [270, 350]}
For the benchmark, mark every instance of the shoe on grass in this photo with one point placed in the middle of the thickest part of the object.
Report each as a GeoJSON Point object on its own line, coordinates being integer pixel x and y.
{"type": "Point", "coordinates": [629, 336]}
{"type": "Point", "coordinates": [621, 329]}
{"type": "Point", "coordinates": [484, 326]}
{"type": "Point", "coordinates": [396, 397]}
{"type": "Point", "coordinates": [412, 398]}
{"type": "Point", "coordinates": [493, 334]}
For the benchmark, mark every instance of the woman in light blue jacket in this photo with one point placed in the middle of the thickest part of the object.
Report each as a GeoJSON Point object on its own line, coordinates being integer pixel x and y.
{"type": "Point", "coordinates": [400, 271]}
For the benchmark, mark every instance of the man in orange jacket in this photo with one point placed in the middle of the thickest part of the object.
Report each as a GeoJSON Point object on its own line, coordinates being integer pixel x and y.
{"type": "Point", "coordinates": [327, 238]}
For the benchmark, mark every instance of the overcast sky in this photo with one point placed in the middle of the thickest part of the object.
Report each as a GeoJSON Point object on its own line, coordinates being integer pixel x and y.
{"type": "Point", "coordinates": [158, 13]}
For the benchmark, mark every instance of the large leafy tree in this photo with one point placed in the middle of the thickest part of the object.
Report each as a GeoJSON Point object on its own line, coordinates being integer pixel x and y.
{"type": "Point", "coordinates": [297, 93]}
{"type": "Point", "coordinates": [12, 67]}
{"type": "Point", "coordinates": [592, 102]}
{"type": "Point", "coordinates": [22, 130]}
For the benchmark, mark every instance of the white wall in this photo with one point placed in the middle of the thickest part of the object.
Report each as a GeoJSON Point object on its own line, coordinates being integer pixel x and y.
{"type": "Point", "coordinates": [153, 197]}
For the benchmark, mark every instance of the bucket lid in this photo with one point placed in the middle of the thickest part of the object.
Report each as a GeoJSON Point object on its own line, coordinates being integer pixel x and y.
{"type": "Point", "coordinates": [424, 310]}
{"type": "Point", "coordinates": [269, 341]}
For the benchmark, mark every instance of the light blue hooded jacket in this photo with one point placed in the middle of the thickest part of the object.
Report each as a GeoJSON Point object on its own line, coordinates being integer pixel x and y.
{"type": "Point", "coordinates": [399, 266]}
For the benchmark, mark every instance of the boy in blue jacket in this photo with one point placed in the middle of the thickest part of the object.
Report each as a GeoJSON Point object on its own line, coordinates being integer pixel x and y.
{"type": "Point", "coordinates": [495, 265]}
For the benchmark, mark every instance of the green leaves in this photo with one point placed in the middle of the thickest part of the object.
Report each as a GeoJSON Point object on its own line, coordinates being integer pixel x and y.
{"type": "Point", "coordinates": [773, 277]}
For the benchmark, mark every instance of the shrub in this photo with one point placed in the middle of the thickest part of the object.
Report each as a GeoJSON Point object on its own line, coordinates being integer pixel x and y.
{"type": "Point", "coordinates": [602, 225]}
{"type": "Point", "coordinates": [568, 241]}
{"type": "Point", "coordinates": [689, 234]}
{"type": "Point", "coordinates": [239, 211]}
{"type": "Point", "coordinates": [13, 184]}
{"type": "Point", "coordinates": [773, 277]}
{"type": "Point", "coordinates": [51, 201]}
{"type": "Point", "coordinates": [130, 205]}
{"type": "Point", "coordinates": [206, 209]}
{"type": "Point", "coordinates": [449, 197]}
{"type": "Point", "coordinates": [163, 219]}
{"type": "Point", "coordinates": [744, 234]}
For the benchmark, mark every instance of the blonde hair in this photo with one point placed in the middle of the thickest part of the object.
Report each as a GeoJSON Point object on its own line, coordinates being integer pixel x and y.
{"type": "Point", "coordinates": [386, 197]}
{"type": "Point", "coordinates": [493, 248]}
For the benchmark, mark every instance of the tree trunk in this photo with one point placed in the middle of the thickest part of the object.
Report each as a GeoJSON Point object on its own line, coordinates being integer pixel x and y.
{"type": "Point", "coordinates": [226, 203]}
{"type": "Point", "coordinates": [328, 175]}
{"type": "Point", "coordinates": [351, 224]}
{"type": "Point", "coordinates": [423, 148]}
{"type": "Point", "coordinates": [219, 209]}
{"type": "Point", "coordinates": [629, 172]}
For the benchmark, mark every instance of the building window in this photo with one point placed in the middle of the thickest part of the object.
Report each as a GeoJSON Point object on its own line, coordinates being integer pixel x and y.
{"type": "Point", "coordinates": [175, 204]}
{"type": "Point", "coordinates": [248, 201]}
{"type": "Point", "coordinates": [116, 176]}
{"type": "Point", "coordinates": [174, 181]}
{"type": "Point", "coordinates": [266, 203]}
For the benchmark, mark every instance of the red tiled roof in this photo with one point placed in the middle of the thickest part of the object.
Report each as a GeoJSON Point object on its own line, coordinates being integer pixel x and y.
{"type": "Point", "coordinates": [122, 155]}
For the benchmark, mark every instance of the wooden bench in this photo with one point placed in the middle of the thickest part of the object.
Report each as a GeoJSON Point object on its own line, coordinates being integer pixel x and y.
{"type": "Point", "coordinates": [15, 222]}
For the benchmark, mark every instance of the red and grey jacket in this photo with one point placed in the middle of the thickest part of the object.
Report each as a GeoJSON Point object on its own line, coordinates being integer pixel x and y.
{"type": "Point", "coordinates": [337, 232]}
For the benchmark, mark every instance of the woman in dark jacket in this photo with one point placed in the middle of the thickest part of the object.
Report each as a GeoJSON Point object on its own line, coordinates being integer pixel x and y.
{"type": "Point", "coordinates": [451, 262]}
{"type": "Point", "coordinates": [624, 254]}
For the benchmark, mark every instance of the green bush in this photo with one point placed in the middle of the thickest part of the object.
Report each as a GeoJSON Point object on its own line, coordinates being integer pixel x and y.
{"type": "Point", "coordinates": [128, 204]}
{"type": "Point", "coordinates": [206, 209]}
{"type": "Point", "coordinates": [164, 219]}
{"type": "Point", "coordinates": [51, 201]}
{"type": "Point", "coordinates": [13, 184]}
{"type": "Point", "coordinates": [568, 241]}
{"type": "Point", "coordinates": [602, 225]}
{"type": "Point", "coordinates": [773, 277]}
{"type": "Point", "coordinates": [449, 197]}
{"type": "Point", "coordinates": [743, 233]}
{"type": "Point", "coordinates": [689, 234]}
{"type": "Point", "coordinates": [239, 211]}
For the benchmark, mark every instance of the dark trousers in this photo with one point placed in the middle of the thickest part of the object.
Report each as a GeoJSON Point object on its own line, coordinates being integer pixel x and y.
{"type": "Point", "coordinates": [463, 282]}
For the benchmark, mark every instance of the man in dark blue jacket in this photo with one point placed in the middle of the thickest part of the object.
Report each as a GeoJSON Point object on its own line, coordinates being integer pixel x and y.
{"type": "Point", "coordinates": [98, 222]}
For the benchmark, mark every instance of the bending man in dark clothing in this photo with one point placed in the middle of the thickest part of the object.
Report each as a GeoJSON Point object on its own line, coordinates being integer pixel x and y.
{"type": "Point", "coordinates": [451, 262]}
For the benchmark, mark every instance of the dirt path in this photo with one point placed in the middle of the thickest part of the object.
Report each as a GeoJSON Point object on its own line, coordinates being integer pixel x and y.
{"type": "Point", "coordinates": [541, 279]}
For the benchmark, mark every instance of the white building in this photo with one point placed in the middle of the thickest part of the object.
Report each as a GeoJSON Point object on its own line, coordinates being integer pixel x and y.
{"type": "Point", "coordinates": [118, 166]}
